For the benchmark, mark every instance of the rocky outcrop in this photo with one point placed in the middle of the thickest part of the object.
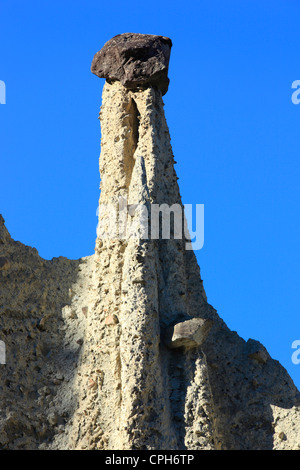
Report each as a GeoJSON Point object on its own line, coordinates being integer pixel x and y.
{"type": "Point", "coordinates": [122, 350]}
{"type": "Point", "coordinates": [188, 333]}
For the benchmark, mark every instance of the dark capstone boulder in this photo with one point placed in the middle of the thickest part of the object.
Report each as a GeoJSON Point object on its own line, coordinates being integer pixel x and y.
{"type": "Point", "coordinates": [136, 60]}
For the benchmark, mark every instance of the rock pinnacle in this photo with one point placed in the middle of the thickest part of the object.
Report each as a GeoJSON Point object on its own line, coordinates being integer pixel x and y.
{"type": "Point", "coordinates": [136, 60]}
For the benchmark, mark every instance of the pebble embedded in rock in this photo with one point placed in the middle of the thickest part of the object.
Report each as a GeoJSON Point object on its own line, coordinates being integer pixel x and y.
{"type": "Point", "coordinates": [188, 333]}
{"type": "Point", "coordinates": [4, 263]}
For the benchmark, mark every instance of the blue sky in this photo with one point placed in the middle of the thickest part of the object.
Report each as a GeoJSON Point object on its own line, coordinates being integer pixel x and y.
{"type": "Point", "coordinates": [234, 129]}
